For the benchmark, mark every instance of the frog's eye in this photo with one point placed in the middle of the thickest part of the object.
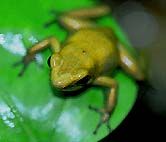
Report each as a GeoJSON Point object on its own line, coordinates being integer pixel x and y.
{"type": "Point", "coordinates": [49, 61]}
{"type": "Point", "coordinates": [84, 80]}
{"type": "Point", "coordinates": [54, 60]}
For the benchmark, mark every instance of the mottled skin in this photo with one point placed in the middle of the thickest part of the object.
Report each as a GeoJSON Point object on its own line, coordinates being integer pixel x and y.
{"type": "Point", "coordinates": [87, 56]}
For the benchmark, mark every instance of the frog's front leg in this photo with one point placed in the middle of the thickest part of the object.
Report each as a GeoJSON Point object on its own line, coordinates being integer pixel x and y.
{"type": "Point", "coordinates": [31, 52]}
{"type": "Point", "coordinates": [110, 101]}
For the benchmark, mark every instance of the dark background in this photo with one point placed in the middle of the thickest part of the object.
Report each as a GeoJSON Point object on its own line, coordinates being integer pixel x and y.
{"type": "Point", "coordinates": [140, 125]}
{"type": "Point", "coordinates": [144, 22]}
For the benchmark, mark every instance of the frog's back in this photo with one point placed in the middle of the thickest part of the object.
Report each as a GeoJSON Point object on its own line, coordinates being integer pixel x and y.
{"type": "Point", "coordinates": [99, 44]}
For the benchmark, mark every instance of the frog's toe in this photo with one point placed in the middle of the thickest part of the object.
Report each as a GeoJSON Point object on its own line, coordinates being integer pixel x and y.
{"type": "Point", "coordinates": [24, 62]}
{"type": "Point", "coordinates": [105, 117]}
{"type": "Point", "coordinates": [17, 63]}
{"type": "Point", "coordinates": [23, 67]}
{"type": "Point", "coordinates": [54, 20]}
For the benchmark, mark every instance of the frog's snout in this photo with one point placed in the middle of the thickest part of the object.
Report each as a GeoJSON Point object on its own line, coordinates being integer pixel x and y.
{"type": "Point", "coordinates": [69, 81]}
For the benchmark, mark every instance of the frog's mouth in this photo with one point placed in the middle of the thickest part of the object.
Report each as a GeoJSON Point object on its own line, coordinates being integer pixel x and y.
{"type": "Point", "coordinates": [71, 88]}
{"type": "Point", "coordinates": [78, 84]}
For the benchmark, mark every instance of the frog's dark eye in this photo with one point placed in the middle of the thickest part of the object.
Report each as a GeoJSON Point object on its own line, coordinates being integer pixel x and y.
{"type": "Point", "coordinates": [49, 61]}
{"type": "Point", "coordinates": [84, 80]}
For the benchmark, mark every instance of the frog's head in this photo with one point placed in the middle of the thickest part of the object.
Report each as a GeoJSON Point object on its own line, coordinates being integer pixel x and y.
{"type": "Point", "coordinates": [66, 77]}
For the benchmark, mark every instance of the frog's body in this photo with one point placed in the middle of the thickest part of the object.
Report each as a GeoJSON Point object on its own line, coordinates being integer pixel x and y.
{"type": "Point", "coordinates": [95, 43]}
{"type": "Point", "coordinates": [93, 58]}
{"type": "Point", "coordinates": [88, 56]}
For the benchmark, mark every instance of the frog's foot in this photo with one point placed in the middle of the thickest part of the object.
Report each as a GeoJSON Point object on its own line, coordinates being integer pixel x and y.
{"type": "Point", "coordinates": [24, 61]}
{"type": "Point", "coordinates": [54, 20]}
{"type": "Point", "coordinates": [49, 23]}
{"type": "Point", "coordinates": [105, 117]}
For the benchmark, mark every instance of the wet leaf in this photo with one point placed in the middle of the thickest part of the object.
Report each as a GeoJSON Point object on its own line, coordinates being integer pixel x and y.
{"type": "Point", "coordinates": [29, 108]}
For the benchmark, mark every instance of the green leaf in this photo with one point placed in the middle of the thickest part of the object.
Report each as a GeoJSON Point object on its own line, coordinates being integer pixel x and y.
{"type": "Point", "coordinates": [30, 111]}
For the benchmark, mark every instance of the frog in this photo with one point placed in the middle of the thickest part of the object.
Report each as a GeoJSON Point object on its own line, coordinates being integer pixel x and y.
{"type": "Point", "coordinates": [88, 56]}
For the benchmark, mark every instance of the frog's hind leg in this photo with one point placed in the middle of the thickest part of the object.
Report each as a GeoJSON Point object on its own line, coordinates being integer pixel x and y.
{"type": "Point", "coordinates": [133, 65]}
{"type": "Point", "coordinates": [92, 12]}
{"type": "Point", "coordinates": [77, 19]}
